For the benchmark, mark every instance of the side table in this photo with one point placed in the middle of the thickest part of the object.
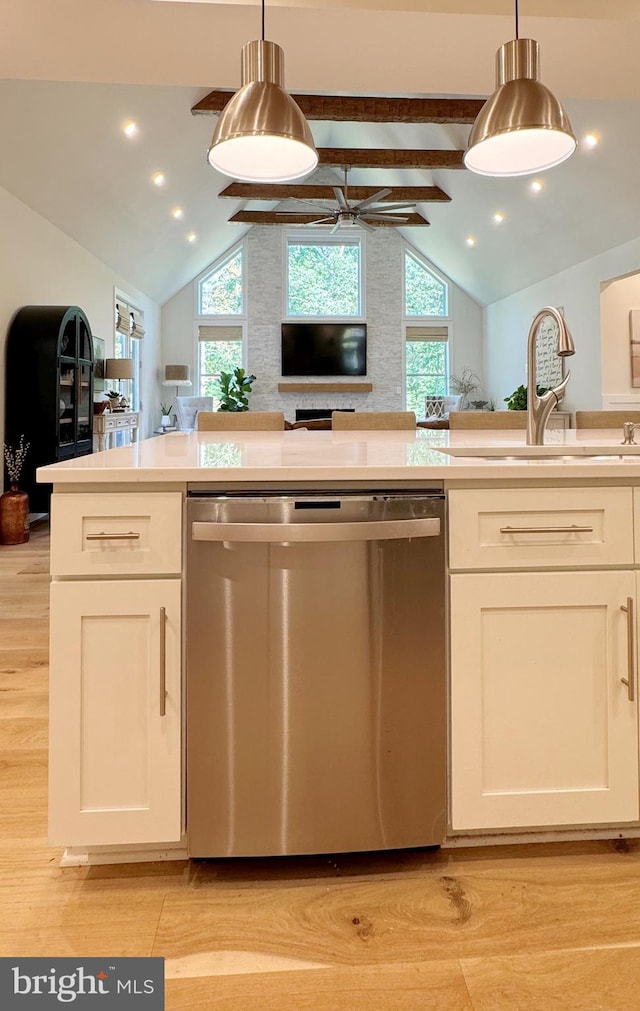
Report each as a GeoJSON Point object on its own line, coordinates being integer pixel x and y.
{"type": "Point", "coordinates": [107, 424]}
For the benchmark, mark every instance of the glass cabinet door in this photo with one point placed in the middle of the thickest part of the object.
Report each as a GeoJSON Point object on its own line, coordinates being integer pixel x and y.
{"type": "Point", "coordinates": [85, 406]}
{"type": "Point", "coordinates": [67, 403]}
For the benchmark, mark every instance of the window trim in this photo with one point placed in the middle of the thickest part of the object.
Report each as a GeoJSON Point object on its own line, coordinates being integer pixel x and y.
{"type": "Point", "coordinates": [298, 237]}
{"type": "Point", "coordinates": [132, 346]}
{"type": "Point", "coordinates": [229, 254]}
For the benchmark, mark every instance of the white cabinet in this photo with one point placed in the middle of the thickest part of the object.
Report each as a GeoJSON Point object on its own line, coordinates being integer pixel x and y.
{"type": "Point", "coordinates": [543, 732]}
{"type": "Point", "coordinates": [115, 717]}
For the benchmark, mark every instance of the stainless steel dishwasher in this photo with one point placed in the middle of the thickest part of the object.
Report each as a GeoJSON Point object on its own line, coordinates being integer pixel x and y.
{"type": "Point", "coordinates": [315, 672]}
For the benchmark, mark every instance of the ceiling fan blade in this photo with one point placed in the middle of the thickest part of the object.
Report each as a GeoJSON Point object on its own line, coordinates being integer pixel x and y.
{"type": "Point", "coordinates": [323, 221]}
{"type": "Point", "coordinates": [307, 203]}
{"type": "Point", "coordinates": [340, 197]}
{"type": "Point", "coordinates": [335, 227]}
{"type": "Point", "coordinates": [373, 199]}
{"type": "Point", "coordinates": [397, 207]}
{"type": "Point", "coordinates": [393, 218]}
{"type": "Point", "coordinates": [363, 224]}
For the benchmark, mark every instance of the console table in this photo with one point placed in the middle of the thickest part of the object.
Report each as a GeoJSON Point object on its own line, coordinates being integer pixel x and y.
{"type": "Point", "coordinates": [107, 424]}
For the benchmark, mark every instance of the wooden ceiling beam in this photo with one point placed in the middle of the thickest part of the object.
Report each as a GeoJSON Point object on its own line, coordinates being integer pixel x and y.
{"type": "Point", "coordinates": [282, 218]}
{"type": "Point", "coordinates": [358, 109]}
{"type": "Point", "coordinates": [385, 158]}
{"type": "Point", "coordinates": [304, 191]}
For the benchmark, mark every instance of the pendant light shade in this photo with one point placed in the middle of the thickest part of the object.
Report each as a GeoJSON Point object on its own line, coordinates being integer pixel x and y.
{"type": "Point", "coordinates": [262, 135]}
{"type": "Point", "coordinates": [522, 127]}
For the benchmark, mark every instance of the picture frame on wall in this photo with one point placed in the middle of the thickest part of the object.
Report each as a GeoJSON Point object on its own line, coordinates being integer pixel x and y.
{"type": "Point", "coordinates": [98, 357]}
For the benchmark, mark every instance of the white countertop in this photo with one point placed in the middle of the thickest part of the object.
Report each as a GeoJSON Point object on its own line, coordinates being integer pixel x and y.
{"type": "Point", "coordinates": [302, 455]}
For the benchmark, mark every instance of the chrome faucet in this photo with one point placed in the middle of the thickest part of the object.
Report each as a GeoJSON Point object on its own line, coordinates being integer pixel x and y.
{"type": "Point", "coordinates": [539, 407]}
{"type": "Point", "coordinates": [628, 434]}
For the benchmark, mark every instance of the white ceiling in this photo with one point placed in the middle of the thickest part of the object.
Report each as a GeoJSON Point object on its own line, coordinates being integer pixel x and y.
{"type": "Point", "coordinates": [65, 156]}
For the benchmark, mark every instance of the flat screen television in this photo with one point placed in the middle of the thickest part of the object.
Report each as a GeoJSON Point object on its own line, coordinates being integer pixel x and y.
{"type": "Point", "coordinates": [324, 349]}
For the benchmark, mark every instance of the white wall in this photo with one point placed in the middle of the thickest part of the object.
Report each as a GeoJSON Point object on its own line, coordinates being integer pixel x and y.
{"type": "Point", "coordinates": [43, 266]}
{"type": "Point", "coordinates": [384, 251]}
{"type": "Point", "coordinates": [601, 362]}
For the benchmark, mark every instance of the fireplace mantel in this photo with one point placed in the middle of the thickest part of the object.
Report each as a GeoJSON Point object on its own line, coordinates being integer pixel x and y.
{"type": "Point", "coordinates": [325, 387]}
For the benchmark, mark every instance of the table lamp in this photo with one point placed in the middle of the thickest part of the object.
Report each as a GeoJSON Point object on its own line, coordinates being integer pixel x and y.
{"type": "Point", "coordinates": [119, 369]}
{"type": "Point", "coordinates": [176, 375]}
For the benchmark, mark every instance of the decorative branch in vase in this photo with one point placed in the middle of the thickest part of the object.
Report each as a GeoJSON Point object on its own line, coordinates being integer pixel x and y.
{"type": "Point", "coordinates": [14, 504]}
{"type": "Point", "coordinates": [464, 384]}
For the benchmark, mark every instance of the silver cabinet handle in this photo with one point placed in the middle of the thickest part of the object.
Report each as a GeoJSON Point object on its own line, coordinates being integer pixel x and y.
{"type": "Point", "coordinates": [630, 680]}
{"type": "Point", "coordinates": [129, 536]}
{"type": "Point", "coordinates": [573, 529]}
{"type": "Point", "coordinates": [279, 533]}
{"type": "Point", "coordinates": [163, 661]}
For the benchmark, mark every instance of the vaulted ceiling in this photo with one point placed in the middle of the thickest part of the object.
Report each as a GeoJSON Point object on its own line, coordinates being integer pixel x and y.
{"type": "Point", "coordinates": [72, 79]}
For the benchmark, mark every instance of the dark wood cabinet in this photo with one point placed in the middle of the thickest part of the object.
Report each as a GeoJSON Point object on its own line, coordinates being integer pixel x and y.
{"type": "Point", "coordinates": [49, 390]}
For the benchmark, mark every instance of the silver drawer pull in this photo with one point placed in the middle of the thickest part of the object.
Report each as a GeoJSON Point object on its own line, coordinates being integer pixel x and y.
{"type": "Point", "coordinates": [130, 536]}
{"type": "Point", "coordinates": [573, 529]}
{"type": "Point", "coordinates": [630, 681]}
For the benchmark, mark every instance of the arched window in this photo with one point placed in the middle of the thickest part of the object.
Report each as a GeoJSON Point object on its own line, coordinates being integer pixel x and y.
{"type": "Point", "coordinates": [426, 308]}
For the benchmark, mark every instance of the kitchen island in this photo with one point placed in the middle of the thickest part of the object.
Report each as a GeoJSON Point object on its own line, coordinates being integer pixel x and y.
{"type": "Point", "coordinates": [544, 554]}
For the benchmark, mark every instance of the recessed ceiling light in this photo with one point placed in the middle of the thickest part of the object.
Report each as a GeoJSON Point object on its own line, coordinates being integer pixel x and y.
{"type": "Point", "coordinates": [537, 185]}
{"type": "Point", "coordinates": [470, 240]}
{"type": "Point", "coordinates": [158, 178]}
{"type": "Point", "coordinates": [130, 128]}
{"type": "Point", "coordinates": [177, 213]}
{"type": "Point", "coordinates": [498, 217]}
{"type": "Point", "coordinates": [191, 237]}
{"type": "Point", "coordinates": [591, 140]}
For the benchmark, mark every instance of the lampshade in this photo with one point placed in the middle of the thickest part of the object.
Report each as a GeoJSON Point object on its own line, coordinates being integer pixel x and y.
{"type": "Point", "coordinates": [262, 135]}
{"type": "Point", "coordinates": [176, 373]}
{"type": "Point", "coordinates": [522, 127]}
{"type": "Point", "coordinates": [118, 368]}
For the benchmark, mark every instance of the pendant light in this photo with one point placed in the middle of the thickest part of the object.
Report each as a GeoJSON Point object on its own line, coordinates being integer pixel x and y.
{"type": "Point", "coordinates": [522, 127]}
{"type": "Point", "coordinates": [262, 135]}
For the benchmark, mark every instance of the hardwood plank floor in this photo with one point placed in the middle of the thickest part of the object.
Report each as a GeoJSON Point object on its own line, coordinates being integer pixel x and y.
{"type": "Point", "coordinates": [551, 927]}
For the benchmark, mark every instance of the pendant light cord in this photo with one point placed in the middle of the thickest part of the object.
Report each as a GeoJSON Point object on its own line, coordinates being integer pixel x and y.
{"type": "Point", "coordinates": [263, 20]}
{"type": "Point", "coordinates": [517, 35]}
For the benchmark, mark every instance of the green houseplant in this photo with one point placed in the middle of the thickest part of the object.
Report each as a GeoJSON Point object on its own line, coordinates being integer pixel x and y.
{"type": "Point", "coordinates": [235, 388]}
{"type": "Point", "coordinates": [517, 401]}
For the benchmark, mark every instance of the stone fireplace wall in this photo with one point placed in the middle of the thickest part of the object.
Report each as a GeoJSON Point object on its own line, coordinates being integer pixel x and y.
{"type": "Point", "coordinates": [383, 290]}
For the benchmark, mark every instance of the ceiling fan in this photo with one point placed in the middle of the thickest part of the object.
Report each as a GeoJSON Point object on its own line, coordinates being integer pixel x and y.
{"type": "Point", "coordinates": [362, 214]}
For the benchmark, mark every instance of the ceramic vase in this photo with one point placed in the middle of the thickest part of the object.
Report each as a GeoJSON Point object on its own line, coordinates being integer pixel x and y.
{"type": "Point", "coordinates": [14, 516]}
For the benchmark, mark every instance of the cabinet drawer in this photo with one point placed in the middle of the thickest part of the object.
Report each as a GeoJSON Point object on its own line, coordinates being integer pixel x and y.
{"type": "Point", "coordinates": [116, 534]}
{"type": "Point", "coordinates": [540, 528]}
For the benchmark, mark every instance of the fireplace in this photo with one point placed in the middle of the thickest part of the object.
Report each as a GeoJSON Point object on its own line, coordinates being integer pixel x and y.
{"type": "Point", "coordinates": [318, 413]}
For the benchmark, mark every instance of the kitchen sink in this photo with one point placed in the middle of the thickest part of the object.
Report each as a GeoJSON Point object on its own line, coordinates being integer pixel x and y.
{"type": "Point", "coordinates": [574, 451]}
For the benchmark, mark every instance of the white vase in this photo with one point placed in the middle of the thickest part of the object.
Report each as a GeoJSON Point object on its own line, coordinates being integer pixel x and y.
{"type": "Point", "coordinates": [165, 421]}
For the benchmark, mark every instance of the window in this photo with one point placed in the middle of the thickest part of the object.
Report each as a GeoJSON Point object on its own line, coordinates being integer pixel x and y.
{"type": "Point", "coordinates": [324, 277]}
{"type": "Point", "coordinates": [426, 365]}
{"type": "Point", "coordinates": [129, 331]}
{"type": "Point", "coordinates": [219, 350]}
{"type": "Point", "coordinates": [424, 293]}
{"type": "Point", "coordinates": [221, 292]}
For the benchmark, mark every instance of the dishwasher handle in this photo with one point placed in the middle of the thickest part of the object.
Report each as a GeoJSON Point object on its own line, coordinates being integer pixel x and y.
{"type": "Point", "coordinates": [280, 533]}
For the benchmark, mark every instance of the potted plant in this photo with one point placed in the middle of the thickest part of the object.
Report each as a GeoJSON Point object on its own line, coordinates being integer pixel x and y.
{"type": "Point", "coordinates": [114, 399]}
{"type": "Point", "coordinates": [165, 420]}
{"type": "Point", "coordinates": [14, 504]}
{"type": "Point", "coordinates": [465, 384]}
{"type": "Point", "coordinates": [517, 401]}
{"type": "Point", "coordinates": [235, 388]}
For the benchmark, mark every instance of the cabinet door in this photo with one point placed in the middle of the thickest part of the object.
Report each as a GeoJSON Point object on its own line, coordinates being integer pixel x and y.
{"type": "Point", "coordinates": [543, 732]}
{"type": "Point", "coordinates": [115, 755]}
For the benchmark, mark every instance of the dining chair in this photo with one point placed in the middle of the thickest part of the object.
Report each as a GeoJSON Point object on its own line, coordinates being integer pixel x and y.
{"type": "Point", "coordinates": [187, 409]}
{"type": "Point", "coordinates": [240, 421]}
{"type": "Point", "coordinates": [605, 419]}
{"type": "Point", "coordinates": [487, 419]}
{"type": "Point", "coordinates": [372, 420]}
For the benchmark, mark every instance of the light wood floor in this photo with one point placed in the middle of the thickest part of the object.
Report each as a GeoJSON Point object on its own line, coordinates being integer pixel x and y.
{"type": "Point", "coordinates": [534, 928]}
